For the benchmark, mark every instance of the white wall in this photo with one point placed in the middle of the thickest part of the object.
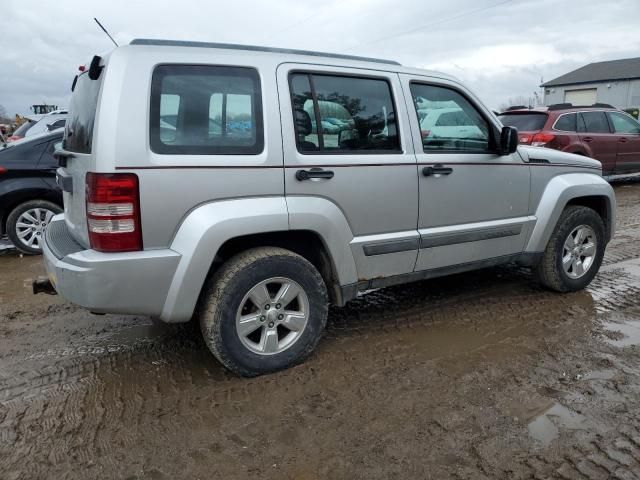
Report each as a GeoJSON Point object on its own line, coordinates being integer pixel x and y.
{"type": "Point", "coordinates": [620, 93]}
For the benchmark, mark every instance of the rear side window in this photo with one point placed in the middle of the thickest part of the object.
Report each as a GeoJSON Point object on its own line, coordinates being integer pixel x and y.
{"type": "Point", "coordinates": [78, 136]}
{"type": "Point", "coordinates": [566, 123]}
{"type": "Point", "coordinates": [524, 122]}
{"type": "Point", "coordinates": [338, 114]}
{"type": "Point", "coordinates": [206, 110]}
{"type": "Point", "coordinates": [594, 122]}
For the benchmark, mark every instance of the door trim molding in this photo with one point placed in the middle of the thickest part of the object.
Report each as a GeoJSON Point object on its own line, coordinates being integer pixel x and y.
{"type": "Point", "coordinates": [444, 239]}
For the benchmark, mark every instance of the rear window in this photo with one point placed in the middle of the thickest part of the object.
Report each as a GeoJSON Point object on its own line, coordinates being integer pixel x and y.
{"type": "Point", "coordinates": [78, 135]}
{"type": "Point", "coordinates": [206, 110]}
{"type": "Point", "coordinates": [524, 122]}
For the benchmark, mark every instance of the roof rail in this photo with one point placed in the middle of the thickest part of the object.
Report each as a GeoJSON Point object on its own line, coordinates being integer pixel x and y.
{"type": "Point", "coordinates": [516, 107]}
{"type": "Point", "coordinates": [564, 106]}
{"type": "Point", "coordinates": [255, 48]}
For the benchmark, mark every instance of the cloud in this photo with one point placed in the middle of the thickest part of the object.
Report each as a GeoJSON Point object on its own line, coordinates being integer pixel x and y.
{"type": "Point", "coordinates": [499, 51]}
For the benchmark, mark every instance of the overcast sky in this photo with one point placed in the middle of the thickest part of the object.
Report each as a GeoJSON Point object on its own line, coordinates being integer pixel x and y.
{"type": "Point", "coordinates": [501, 49]}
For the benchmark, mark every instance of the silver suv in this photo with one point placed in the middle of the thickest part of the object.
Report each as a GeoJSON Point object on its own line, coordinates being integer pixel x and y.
{"type": "Point", "coordinates": [251, 187]}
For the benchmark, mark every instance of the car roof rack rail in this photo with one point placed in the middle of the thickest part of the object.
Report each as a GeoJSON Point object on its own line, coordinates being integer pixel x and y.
{"type": "Point", "coordinates": [255, 48]}
{"type": "Point", "coordinates": [517, 107]}
{"type": "Point", "coordinates": [564, 106]}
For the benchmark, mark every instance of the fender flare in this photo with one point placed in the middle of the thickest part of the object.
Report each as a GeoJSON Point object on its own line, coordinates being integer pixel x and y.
{"type": "Point", "coordinates": [557, 194]}
{"type": "Point", "coordinates": [206, 228]}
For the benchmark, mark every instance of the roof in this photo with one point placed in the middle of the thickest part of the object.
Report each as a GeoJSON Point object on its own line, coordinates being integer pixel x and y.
{"type": "Point", "coordinates": [255, 48]}
{"type": "Point", "coordinates": [600, 71]}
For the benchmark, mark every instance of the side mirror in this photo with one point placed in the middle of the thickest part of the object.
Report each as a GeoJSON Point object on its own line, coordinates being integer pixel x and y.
{"type": "Point", "coordinates": [508, 140]}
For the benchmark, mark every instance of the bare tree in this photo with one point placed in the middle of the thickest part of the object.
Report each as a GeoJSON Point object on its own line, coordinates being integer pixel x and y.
{"type": "Point", "coordinates": [4, 118]}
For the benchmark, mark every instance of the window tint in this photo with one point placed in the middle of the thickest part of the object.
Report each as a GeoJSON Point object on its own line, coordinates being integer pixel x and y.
{"type": "Point", "coordinates": [206, 110]}
{"type": "Point", "coordinates": [448, 121]}
{"type": "Point", "coordinates": [524, 122]}
{"type": "Point", "coordinates": [78, 135]}
{"type": "Point", "coordinates": [623, 123]}
{"type": "Point", "coordinates": [343, 114]}
{"type": "Point", "coordinates": [595, 122]}
{"type": "Point", "coordinates": [24, 154]}
{"type": "Point", "coordinates": [566, 123]}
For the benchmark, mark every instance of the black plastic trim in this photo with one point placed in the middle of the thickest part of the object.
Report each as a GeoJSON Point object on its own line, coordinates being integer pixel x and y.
{"type": "Point", "coordinates": [430, 241]}
{"type": "Point", "coordinates": [394, 246]}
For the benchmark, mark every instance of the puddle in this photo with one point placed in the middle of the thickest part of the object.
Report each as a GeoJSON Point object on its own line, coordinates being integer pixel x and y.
{"type": "Point", "coordinates": [622, 331]}
{"type": "Point", "coordinates": [545, 428]}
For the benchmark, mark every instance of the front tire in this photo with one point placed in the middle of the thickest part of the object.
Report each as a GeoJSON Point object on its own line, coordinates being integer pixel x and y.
{"type": "Point", "coordinates": [574, 252]}
{"type": "Point", "coordinates": [27, 223]}
{"type": "Point", "coordinates": [264, 310]}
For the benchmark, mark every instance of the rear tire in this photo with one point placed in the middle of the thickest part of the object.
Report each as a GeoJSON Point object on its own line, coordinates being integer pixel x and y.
{"type": "Point", "coordinates": [574, 252]}
{"type": "Point", "coordinates": [264, 310]}
{"type": "Point", "coordinates": [27, 223]}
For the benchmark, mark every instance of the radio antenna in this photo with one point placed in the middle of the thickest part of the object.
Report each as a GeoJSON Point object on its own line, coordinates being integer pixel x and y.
{"type": "Point", "coordinates": [105, 31]}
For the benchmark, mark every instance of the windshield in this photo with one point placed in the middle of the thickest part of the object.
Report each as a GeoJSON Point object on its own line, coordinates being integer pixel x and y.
{"type": "Point", "coordinates": [82, 113]}
{"type": "Point", "coordinates": [524, 122]}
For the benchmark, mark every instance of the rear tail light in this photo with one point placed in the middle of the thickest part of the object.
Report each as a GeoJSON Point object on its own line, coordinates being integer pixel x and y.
{"type": "Point", "coordinates": [113, 212]}
{"type": "Point", "coordinates": [3, 170]}
{"type": "Point", "coordinates": [542, 139]}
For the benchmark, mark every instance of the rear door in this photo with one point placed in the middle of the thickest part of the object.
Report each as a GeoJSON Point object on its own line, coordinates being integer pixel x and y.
{"type": "Point", "coordinates": [474, 203]}
{"type": "Point", "coordinates": [595, 134]}
{"type": "Point", "coordinates": [627, 133]}
{"type": "Point", "coordinates": [346, 142]}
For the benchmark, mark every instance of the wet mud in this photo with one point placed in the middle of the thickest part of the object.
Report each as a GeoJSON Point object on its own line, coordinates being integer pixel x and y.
{"type": "Point", "coordinates": [477, 376]}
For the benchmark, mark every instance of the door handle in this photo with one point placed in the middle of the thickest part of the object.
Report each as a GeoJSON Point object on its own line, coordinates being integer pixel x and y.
{"type": "Point", "coordinates": [623, 140]}
{"type": "Point", "coordinates": [437, 169]}
{"type": "Point", "coordinates": [587, 139]}
{"type": "Point", "coordinates": [314, 173]}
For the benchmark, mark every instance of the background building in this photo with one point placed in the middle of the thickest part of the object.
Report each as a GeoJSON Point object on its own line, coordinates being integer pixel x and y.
{"type": "Point", "coordinates": [616, 82]}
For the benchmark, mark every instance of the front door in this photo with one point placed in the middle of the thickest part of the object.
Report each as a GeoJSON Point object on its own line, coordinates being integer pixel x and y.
{"type": "Point", "coordinates": [595, 134]}
{"type": "Point", "coordinates": [627, 132]}
{"type": "Point", "coordinates": [474, 203]}
{"type": "Point", "coordinates": [348, 155]}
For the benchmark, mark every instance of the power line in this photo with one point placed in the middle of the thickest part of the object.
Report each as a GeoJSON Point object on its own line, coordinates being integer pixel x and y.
{"type": "Point", "coordinates": [437, 22]}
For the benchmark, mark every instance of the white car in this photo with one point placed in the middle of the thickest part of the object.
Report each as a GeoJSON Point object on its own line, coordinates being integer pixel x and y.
{"type": "Point", "coordinates": [48, 123]}
{"type": "Point", "coordinates": [448, 123]}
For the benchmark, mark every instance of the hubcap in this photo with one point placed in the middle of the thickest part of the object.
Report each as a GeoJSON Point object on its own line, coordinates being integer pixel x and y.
{"type": "Point", "coordinates": [31, 225]}
{"type": "Point", "coordinates": [579, 251]}
{"type": "Point", "coordinates": [272, 316]}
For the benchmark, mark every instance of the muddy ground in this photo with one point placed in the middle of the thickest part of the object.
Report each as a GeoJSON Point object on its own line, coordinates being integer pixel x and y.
{"type": "Point", "coordinates": [481, 375]}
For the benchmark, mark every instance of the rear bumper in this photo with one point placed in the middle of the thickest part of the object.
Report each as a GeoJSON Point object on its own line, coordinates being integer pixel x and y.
{"type": "Point", "coordinates": [129, 283]}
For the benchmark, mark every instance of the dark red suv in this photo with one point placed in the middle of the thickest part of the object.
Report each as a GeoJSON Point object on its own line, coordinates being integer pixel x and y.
{"type": "Point", "coordinates": [599, 131]}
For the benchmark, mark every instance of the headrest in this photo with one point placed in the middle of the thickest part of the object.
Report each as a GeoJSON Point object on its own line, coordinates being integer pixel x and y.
{"type": "Point", "coordinates": [303, 121]}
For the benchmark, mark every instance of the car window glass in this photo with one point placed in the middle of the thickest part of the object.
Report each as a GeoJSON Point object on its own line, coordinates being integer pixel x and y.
{"type": "Point", "coordinates": [47, 160]}
{"type": "Point", "coordinates": [82, 114]}
{"type": "Point", "coordinates": [448, 121]}
{"type": "Point", "coordinates": [595, 122]}
{"type": "Point", "coordinates": [355, 115]}
{"type": "Point", "coordinates": [524, 122]}
{"type": "Point", "coordinates": [27, 153]}
{"type": "Point", "coordinates": [206, 110]}
{"type": "Point", "coordinates": [623, 123]}
{"type": "Point", "coordinates": [566, 123]}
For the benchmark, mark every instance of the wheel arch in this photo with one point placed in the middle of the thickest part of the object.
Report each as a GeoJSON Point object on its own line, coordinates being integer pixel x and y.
{"type": "Point", "coordinates": [584, 189]}
{"type": "Point", "coordinates": [215, 231]}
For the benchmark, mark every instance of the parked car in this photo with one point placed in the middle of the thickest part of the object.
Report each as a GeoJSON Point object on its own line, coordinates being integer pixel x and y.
{"type": "Point", "coordinates": [48, 123]}
{"type": "Point", "coordinates": [600, 131]}
{"type": "Point", "coordinates": [257, 233]}
{"type": "Point", "coordinates": [29, 195]}
{"type": "Point", "coordinates": [446, 123]}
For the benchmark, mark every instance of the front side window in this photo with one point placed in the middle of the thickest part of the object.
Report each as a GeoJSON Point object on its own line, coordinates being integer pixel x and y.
{"type": "Point", "coordinates": [566, 123]}
{"type": "Point", "coordinates": [448, 121]}
{"type": "Point", "coordinates": [206, 110]}
{"type": "Point", "coordinates": [623, 124]}
{"type": "Point", "coordinates": [594, 122]}
{"type": "Point", "coordinates": [338, 114]}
